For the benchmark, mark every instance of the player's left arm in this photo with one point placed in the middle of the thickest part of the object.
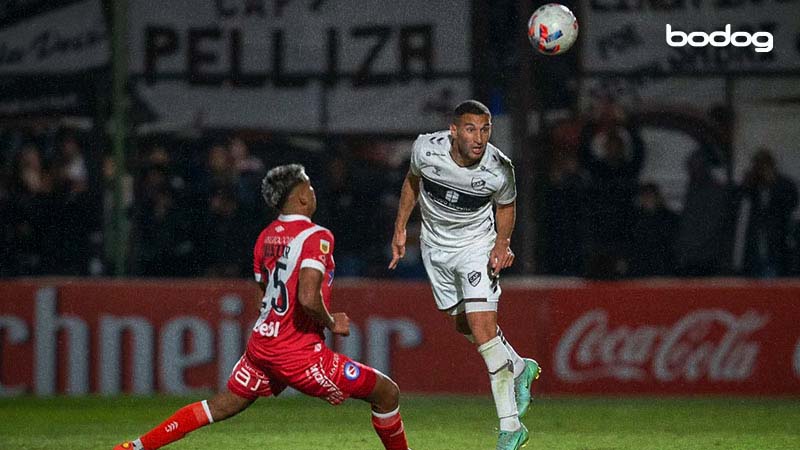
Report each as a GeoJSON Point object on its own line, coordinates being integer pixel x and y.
{"type": "Point", "coordinates": [316, 251]}
{"type": "Point", "coordinates": [258, 268]}
{"type": "Point", "coordinates": [310, 297]}
{"type": "Point", "coordinates": [501, 255]}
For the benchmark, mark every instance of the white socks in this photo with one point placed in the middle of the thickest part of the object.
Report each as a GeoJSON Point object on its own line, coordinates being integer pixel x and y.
{"type": "Point", "coordinates": [501, 375]}
{"type": "Point", "coordinates": [519, 364]}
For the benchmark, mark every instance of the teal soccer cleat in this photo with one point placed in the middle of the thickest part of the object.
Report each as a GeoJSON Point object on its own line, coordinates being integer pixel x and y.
{"type": "Point", "coordinates": [512, 440]}
{"type": "Point", "coordinates": [522, 385]}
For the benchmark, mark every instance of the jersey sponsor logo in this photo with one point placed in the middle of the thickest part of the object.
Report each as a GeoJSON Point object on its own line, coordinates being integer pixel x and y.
{"type": "Point", "coordinates": [268, 329]}
{"type": "Point", "coordinates": [474, 278]}
{"type": "Point", "coordinates": [486, 169]}
{"type": "Point", "coordinates": [351, 371]}
{"type": "Point", "coordinates": [324, 246]}
{"type": "Point", "coordinates": [454, 199]}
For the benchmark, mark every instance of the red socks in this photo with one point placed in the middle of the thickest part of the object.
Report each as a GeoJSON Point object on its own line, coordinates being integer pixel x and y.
{"type": "Point", "coordinates": [185, 420]}
{"type": "Point", "coordinates": [389, 427]}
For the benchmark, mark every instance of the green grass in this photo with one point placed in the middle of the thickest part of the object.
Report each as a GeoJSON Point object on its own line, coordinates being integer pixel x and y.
{"type": "Point", "coordinates": [433, 423]}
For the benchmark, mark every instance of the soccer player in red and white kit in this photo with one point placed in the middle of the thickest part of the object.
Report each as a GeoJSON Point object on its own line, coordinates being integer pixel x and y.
{"type": "Point", "coordinates": [293, 265]}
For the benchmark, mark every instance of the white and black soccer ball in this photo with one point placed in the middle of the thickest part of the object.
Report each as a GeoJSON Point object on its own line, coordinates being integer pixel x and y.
{"type": "Point", "coordinates": [552, 29]}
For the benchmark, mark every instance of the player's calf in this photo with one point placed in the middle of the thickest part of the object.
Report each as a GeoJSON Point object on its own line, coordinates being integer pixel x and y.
{"type": "Point", "coordinates": [386, 419]}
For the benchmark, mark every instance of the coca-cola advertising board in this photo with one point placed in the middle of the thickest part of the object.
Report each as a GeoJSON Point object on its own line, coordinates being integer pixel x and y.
{"type": "Point", "coordinates": [718, 337]}
{"type": "Point", "coordinates": [700, 338]}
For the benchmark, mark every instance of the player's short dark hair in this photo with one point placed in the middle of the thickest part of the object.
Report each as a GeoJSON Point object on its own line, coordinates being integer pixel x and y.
{"type": "Point", "coordinates": [470, 107]}
{"type": "Point", "coordinates": [279, 182]}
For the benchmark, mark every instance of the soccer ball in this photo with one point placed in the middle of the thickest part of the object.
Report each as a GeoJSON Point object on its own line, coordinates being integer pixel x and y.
{"type": "Point", "coordinates": [552, 29]}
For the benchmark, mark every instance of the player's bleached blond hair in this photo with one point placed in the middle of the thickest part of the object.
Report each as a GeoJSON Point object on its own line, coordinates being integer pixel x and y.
{"type": "Point", "coordinates": [279, 182]}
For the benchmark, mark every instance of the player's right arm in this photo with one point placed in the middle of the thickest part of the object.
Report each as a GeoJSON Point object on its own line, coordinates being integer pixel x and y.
{"type": "Point", "coordinates": [258, 267]}
{"type": "Point", "coordinates": [309, 296]}
{"type": "Point", "coordinates": [408, 199]}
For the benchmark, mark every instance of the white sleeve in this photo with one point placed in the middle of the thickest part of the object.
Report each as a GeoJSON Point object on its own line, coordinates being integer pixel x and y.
{"type": "Point", "coordinates": [508, 191]}
{"type": "Point", "coordinates": [416, 151]}
{"type": "Point", "coordinates": [313, 263]}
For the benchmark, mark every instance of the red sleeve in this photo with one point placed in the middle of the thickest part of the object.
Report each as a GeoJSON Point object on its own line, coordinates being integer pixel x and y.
{"type": "Point", "coordinates": [317, 251]}
{"type": "Point", "coordinates": [258, 258]}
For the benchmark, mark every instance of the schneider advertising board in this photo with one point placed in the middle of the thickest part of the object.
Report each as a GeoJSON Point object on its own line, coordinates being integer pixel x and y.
{"type": "Point", "coordinates": [684, 337]}
{"type": "Point", "coordinates": [302, 66]}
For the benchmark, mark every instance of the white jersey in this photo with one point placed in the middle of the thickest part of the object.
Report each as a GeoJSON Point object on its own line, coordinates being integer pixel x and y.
{"type": "Point", "coordinates": [456, 202]}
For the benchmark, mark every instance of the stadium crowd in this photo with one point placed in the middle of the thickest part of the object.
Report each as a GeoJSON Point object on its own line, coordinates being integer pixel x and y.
{"type": "Point", "coordinates": [194, 206]}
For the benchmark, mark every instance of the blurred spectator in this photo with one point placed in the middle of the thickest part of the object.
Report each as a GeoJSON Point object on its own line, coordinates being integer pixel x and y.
{"type": "Point", "coordinates": [110, 173]}
{"type": "Point", "coordinates": [224, 246]}
{"type": "Point", "coordinates": [72, 169]}
{"type": "Point", "coordinates": [704, 228]}
{"type": "Point", "coordinates": [29, 174]}
{"type": "Point", "coordinates": [339, 199]}
{"type": "Point", "coordinates": [768, 199]}
{"type": "Point", "coordinates": [220, 173]}
{"type": "Point", "coordinates": [163, 248]}
{"type": "Point", "coordinates": [563, 218]}
{"type": "Point", "coordinates": [80, 208]}
{"type": "Point", "coordinates": [249, 170]}
{"type": "Point", "coordinates": [35, 214]}
{"type": "Point", "coordinates": [612, 152]}
{"type": "Point", "coordinates": [653, 236]}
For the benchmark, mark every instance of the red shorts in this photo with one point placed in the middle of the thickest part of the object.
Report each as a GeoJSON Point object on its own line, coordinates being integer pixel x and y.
{"type": "Point", "coordinates": [324, 374]}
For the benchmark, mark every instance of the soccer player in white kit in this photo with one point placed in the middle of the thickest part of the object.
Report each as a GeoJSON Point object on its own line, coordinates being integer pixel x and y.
{"type": "Point", "coordinates": [457, 176]}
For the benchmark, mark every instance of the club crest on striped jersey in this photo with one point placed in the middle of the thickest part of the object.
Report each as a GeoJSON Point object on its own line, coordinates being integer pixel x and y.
{"type": "Point", "coordinates": [324, 246]}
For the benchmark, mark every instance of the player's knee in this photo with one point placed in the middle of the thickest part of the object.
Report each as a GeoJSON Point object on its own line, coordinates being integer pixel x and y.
{"type": "Point", "coordinates": [392, 394]}
{"type": "Point", "coordinates": [389, 395]}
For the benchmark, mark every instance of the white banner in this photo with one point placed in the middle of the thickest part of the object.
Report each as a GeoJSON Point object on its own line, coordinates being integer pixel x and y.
{"type": "Point", "coordinates": [70, 39]}
{"type": "Point", "coordinates": [627, 35]}
{"type": "Point", "coordinates": [311, 66]}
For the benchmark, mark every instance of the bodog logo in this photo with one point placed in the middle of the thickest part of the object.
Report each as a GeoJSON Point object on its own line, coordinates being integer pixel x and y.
{"type": "Point", "coordinates": [761, 40]}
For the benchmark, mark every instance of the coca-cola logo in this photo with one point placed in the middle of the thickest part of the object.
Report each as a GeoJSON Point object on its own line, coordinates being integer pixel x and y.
{"type": "Point", "coordinates": [710, 344]}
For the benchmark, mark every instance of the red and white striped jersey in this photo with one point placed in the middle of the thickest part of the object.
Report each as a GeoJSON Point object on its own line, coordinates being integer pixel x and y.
{"type": "Point", "coordinates": [288, 244]}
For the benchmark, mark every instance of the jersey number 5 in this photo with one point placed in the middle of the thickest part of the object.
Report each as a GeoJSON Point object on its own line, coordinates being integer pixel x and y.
{"type": "Point", "coordinates": [279, 298]}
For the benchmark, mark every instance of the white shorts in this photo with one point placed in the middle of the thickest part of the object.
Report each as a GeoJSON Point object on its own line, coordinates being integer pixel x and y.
{"type": "Point", "coordinates": [460, 274]}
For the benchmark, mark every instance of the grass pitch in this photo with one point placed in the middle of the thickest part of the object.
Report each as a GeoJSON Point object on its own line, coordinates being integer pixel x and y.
{"type": "Point", "coordinates": [433, 423]}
